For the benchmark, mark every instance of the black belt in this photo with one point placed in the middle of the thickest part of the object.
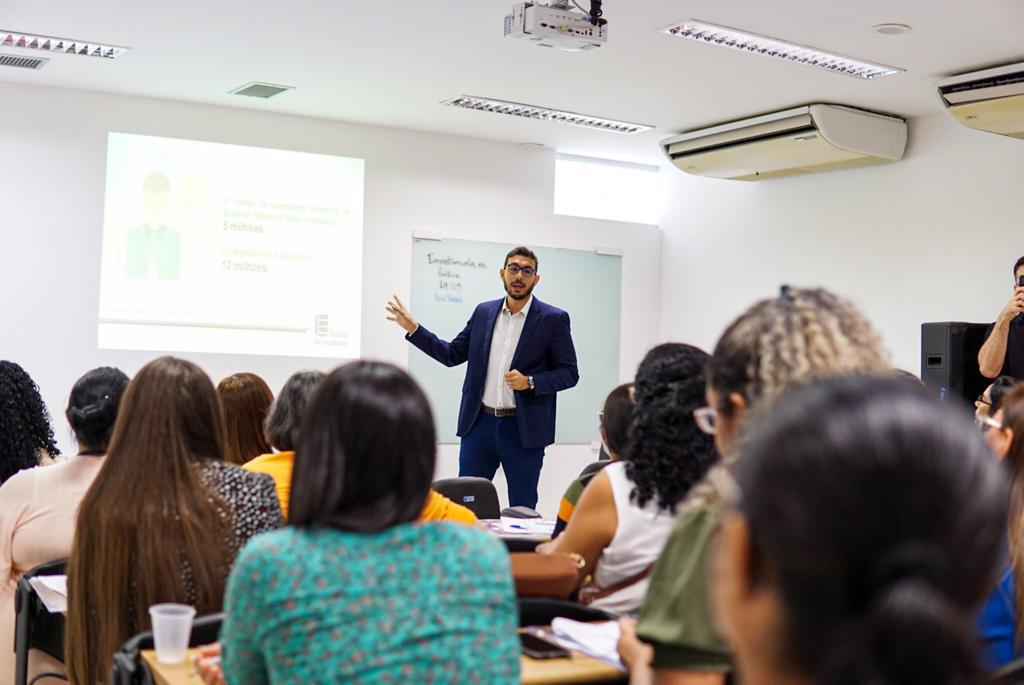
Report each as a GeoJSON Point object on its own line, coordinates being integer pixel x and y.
{"type": "Point", "coordinates": [497, 412]}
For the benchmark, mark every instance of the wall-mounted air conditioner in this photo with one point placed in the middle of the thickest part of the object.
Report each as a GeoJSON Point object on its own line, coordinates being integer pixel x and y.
{"type": "Point", "coordinates": [795, 141]}
{"type": "Point", "coordinates": [990, 100]}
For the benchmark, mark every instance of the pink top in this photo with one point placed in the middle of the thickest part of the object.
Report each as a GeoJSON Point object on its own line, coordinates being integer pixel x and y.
{"type": "Point", "coordinates": [38, 507]}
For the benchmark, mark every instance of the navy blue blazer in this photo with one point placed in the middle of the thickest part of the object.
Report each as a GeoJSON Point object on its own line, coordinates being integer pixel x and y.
{"type": "Point", "coordinates": [545, 351]}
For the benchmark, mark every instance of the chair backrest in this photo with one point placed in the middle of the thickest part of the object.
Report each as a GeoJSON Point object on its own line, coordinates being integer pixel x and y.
{"type": "Point", "coordinates": [538, 611]}
{"type": "Point", "coordinates": [476, 494]}
{"type": "Point", "coordinates": [35, 627]}
{"type": "Point", "coordinates": [128, 668]}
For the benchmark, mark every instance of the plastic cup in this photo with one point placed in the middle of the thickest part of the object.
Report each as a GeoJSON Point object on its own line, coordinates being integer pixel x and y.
{"type": "Point", "coordinates": [172, 627]}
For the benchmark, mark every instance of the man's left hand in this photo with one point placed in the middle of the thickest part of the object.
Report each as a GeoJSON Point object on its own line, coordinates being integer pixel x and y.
{"type": "Point", "coordinates": [516, 380]}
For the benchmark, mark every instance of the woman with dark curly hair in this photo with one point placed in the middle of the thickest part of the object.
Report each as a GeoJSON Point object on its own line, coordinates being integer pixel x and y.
{"type": "Point", "coordinates": [628, 509]}
{"type": "Point", "coordinates": [26, 436]}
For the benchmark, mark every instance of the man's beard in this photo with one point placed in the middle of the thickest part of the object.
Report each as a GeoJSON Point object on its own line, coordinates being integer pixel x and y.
{"type": "Point", "coordinates": [522, 295]}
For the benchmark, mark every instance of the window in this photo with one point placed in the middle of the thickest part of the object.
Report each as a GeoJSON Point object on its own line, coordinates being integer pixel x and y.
{"type": "Point", "coordinates": [606, 189]}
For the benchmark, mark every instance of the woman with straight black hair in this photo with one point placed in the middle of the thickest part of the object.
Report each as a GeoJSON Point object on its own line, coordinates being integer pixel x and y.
{"type": "Point", "coordinates": [38, 506]}
{"type": "Point", "coordinates": [355, 588]}
{"type": "Point", "coordinates": [863, 537]}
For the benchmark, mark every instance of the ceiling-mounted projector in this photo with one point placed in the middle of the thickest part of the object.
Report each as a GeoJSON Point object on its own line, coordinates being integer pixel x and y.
{"type": "Point", "coordinates": [557, 26]}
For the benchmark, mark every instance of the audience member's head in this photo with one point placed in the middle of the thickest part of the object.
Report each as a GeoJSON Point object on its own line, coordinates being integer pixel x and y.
{"type": "Point", "coordinates": [801, 335]}
{"type": "Point", "coordinates": [616, 416]}
{"type": "Point", "coordinates": [246, 399]}
{"type": "Point", "coordinates": [286, 413]}
{"type": "Point", "coordinates": [92, 407]}
{"type": "Point", "coordinates": [667, 453]}
{"type": "Point", "coordinates": [366, 452]}
{"type": "Point", "coordinates": [867, 530]}
{"type": "Point", "coordinates": [25, 430]}
{"type": "Point", "coordinates": [991, 399]}
{"type": "Point", "coordinates": [147, 516]}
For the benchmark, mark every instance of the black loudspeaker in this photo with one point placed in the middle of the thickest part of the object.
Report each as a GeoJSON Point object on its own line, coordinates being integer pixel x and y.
{"type": "Point", "coordinates": [949, 359]}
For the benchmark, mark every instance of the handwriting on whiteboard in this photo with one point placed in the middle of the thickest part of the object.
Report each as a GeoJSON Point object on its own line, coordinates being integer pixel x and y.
{"type": "Point", "coordinates": [449, 275]}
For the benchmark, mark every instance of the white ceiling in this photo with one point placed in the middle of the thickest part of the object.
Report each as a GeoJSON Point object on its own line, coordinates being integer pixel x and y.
{"type": "Point", "coordinates": [391, 63]}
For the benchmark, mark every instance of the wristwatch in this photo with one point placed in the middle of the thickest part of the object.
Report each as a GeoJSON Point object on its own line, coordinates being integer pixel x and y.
{"type": "Point", "coordinates": [529, 379]}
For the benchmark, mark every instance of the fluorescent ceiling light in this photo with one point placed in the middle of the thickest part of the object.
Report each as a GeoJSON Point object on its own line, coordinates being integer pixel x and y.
{"type": "Point", "coordinates": [544, 114]}
{"type": "Point", "coordinates": [31, 41]}
{"type": "Point", "coordinates": [772, 47]}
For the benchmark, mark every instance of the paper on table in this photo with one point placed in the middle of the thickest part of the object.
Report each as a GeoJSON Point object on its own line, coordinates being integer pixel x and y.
{"type": "Point", "coordinates": [53, 590]}
{"type": "Point", "coordinates": [527, 526]}
{"type": "Point", "coordinates": [599, 639]}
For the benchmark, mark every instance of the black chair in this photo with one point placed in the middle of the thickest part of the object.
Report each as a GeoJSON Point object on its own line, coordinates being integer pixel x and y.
{"type": "Point", "coordinates": [1010, 674]}
{"type": "Point", "coordinates": [35, 627]}
{"type": "Point", "coordinates": [536, 611]}
{"type": "Point", "coordinates": [128, 668]}
{"type": "Point", "coordinates": [476, 494]}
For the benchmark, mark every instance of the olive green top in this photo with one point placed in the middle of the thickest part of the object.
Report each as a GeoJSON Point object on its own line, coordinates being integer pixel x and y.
{"type": "Point", "coordinates": [676, 614]}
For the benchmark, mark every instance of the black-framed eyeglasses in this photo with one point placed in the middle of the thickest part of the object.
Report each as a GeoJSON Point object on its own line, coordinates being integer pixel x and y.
{"type": "Point", "coordinates": [515, 270]}
{"type": "Point", "coordinates": [982, 400]}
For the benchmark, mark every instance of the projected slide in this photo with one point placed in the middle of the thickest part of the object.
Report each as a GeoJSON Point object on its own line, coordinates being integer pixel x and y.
{"type": "Point", "coordinates": [224, 248]}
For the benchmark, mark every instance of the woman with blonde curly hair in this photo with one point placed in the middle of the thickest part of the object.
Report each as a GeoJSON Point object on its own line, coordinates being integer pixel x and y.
{"type": "Point", "coordinates": [797, 337]}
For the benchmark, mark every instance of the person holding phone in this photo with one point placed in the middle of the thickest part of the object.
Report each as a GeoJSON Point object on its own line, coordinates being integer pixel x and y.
{"type": "Point", "coordinates": [1003, 351]}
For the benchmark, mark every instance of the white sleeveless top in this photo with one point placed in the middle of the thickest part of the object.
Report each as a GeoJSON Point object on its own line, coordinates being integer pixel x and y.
{"type": "Point", "coordinates": [639, 537]}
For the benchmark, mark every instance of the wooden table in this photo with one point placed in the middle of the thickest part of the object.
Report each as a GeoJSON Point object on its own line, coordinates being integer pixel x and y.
{"type": "Point", "coordinates": [578, 668]}
{"type": "Point", "coordinates": [171, 674]}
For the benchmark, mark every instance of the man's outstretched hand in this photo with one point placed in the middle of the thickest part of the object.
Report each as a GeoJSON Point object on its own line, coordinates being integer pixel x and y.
{"type": "Point", "coordinates": [400, 315]}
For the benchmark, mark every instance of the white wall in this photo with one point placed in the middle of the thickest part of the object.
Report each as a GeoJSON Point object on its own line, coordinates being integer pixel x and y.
{"type": "Point", "coordinates": [930, 238]}
{"type": "Point", "coordinates": [51, 207]}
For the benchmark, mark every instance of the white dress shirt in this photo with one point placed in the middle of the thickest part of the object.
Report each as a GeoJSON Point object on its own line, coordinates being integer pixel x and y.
{"type": "Point", "coordinates": [507, 331]}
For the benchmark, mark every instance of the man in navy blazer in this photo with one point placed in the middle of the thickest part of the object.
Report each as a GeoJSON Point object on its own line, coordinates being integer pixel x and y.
{"type": "Point", "coordinates": [520, 354]}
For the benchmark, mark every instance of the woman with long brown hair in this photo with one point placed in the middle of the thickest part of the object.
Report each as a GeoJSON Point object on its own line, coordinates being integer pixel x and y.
{"type": "Point", "coordinates": [246, 398]}
{"type": "Point", "coordinates": [164, 518]}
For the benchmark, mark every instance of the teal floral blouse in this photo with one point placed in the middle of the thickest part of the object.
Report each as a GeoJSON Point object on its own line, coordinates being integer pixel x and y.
{"type": "Point", "coordinates": [417, 603]}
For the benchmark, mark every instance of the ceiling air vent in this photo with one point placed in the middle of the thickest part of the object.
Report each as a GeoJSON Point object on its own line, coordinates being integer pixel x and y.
{"type": "Point", "coordinates": [22, 62]}
{"type": "Point", "coordinates": [257, 89]}
{"type": "Point", "coordinates": [990, 100]}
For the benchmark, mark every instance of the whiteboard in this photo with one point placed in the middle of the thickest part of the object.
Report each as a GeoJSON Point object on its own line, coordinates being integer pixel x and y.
{"type": "Point", "coordinates": [451, 277]}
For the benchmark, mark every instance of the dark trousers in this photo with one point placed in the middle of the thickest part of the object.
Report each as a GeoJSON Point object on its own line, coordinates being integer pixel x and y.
{"type": "Point", "coordinates": [494, 441]}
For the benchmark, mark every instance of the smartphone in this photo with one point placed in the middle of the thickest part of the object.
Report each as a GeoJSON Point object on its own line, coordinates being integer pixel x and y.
{"type": "Point", "coordinates": [1020, 282]}
{"type": "Point", "coordinates": [539, 648]}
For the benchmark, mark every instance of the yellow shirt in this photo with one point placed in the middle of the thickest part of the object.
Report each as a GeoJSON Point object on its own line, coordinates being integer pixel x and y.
{"type": "Point", "coordinates": [279, 467]}
{"type": "Point", "coordinates": [440, 508]}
